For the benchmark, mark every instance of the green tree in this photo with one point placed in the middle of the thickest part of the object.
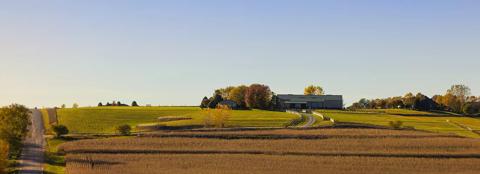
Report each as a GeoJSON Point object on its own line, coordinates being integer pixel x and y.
{"type": "Point", "coordinates": [134, 104]}
{"type": "Point", "coordinates": [14, 120]}
{"type": "Point", "coordinates": [60, 130]}
{"type": "Point", "coordinates": [471, 108]}
{"type": "Point", "coordinates": [313, 90]}
{"type": "Point", "coordinates": [205, 102]}
{"type": "Point", "coordinates": [75, 105]}
{"type": "Point", "coordinates": [63, 106]}
{"type": "Point", "coordinates": [214, 101]}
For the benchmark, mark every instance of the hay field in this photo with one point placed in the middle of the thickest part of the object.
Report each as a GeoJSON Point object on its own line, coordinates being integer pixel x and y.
{"type": "Point", "coordinates": [276, 151]}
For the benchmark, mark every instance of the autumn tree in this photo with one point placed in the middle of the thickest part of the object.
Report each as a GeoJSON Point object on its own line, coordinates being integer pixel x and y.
{"type": "Point", "coordinates": [258, 96]}
{"type": "Point", "coordinates": [237, 95]}
{"type": "Point", "coordinates": [4, 149]}
{"type": "Point", "coordinates": [408, 100]}
{"type": "Point", "coordinates": [224, 92]}
{"type": "Point", "coordinates": [313, 90]}
{"type": "Point", "coordinates": [460, 91]}
{"type": "Point", "coordinates": [217, 117]}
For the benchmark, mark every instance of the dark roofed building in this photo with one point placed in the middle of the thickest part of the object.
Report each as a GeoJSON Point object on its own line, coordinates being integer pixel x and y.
{"type": "Point", "coordinates": [290, 101]}
{"type": "Point", "coordinates": [231, 104]}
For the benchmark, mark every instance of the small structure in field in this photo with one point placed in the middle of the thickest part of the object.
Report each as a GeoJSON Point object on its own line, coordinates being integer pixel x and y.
{"type": "Point", "coordinates": [291, 101]}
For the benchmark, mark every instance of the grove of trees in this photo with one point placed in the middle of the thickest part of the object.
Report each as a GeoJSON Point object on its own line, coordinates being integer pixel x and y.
{"type": "Point", "coordinates": [457, 99]}
{"type": "Point", "coordinates": [14, 120]}
{"type": "Point", "coordinates": [255, 96]}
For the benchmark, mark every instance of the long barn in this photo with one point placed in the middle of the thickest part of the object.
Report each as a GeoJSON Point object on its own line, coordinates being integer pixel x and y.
{"type": "Point", "coordinates": [292, 101]}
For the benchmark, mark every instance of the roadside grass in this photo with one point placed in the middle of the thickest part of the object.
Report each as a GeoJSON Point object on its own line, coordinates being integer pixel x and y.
{"type": "Point", "coordinates": [96, 120]}
{"type": "Point", "coordinates": [55, 162]}
{"type": "Point", "coordinates": [436, 124]}
{"type": "Point", "coordinates": [319, 122]}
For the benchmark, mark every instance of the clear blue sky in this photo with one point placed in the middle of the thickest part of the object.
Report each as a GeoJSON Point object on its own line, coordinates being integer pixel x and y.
{"type": "Point", "coordinates": [175, 52]}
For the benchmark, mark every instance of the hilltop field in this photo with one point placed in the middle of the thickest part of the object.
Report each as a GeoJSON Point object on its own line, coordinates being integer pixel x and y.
{"type": "Point", "coordinates": [103, 120]}
{"type": "Point", "coordinates": [443, 123]}
{"type": "Point", "coordinates": [96, 120]}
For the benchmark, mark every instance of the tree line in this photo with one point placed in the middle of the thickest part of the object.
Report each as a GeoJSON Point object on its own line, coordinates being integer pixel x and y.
{"type": "Point", "coordinates": [117, 103]}
{"type": "Point", "coordinates": [14, 120]}
{"type": "Point", "coordinates": [457, 99]}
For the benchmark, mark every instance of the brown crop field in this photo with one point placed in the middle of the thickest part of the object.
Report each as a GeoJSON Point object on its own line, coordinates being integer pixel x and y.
{"type": "Point", "coordinates": [276, 151]}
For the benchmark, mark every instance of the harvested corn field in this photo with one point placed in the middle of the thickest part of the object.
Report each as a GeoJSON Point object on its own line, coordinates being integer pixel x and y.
{"type": "Point", "coordinates": [278, 151]}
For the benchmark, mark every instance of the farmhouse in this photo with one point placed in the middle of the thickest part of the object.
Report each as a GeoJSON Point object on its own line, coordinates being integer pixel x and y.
{"type": "Point", "coordinates": [291, 101]}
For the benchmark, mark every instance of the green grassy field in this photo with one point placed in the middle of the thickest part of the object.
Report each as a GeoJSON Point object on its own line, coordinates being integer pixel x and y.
{"type": "Point", "coordinates": [55, 163]}
{"type": "Point", "coordinates": [426, 121]}
{"type": "Point", "coordinates": [105, 119]}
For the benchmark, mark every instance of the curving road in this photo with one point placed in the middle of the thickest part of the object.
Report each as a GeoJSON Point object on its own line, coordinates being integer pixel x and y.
{"type": "Point", "coordinates": [33, 153]}
{"type": "Point", "coordinates": [310, 121]}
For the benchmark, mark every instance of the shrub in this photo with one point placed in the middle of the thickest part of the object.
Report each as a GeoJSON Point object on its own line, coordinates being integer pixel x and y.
{"type": "Point", "coordinates": [124, 129]}
{"type": "Point", "coordinates": [217, 117]}
{"type": "Point", "coordinates": [60, 130]}
{"type": "Point", "coordinates": [396, 124]}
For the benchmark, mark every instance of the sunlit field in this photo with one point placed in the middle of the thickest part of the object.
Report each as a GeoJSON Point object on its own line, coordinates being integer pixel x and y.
{"type": "Point", "coordinates": [105, 119]}
{"type": "Point", "coordinates": [425, 121]}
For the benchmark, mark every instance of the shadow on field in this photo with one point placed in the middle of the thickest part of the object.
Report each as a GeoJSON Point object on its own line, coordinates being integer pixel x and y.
{"type": "Point", "coordinates": [92, 162]}
{"type": "Point", "coordinates": [163, 127]}
{"type": "Point", "coordinates": [220, 152]}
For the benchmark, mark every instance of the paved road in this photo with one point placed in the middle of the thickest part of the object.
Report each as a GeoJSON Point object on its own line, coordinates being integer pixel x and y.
{"type": "Point", "coordinates": [310, 121]}
{"type": "Point", "coordinates": [32, 159]}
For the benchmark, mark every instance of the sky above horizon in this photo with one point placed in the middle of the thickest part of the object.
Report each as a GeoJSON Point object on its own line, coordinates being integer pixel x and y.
{"type": "Point", "coordinates": [176, 52]}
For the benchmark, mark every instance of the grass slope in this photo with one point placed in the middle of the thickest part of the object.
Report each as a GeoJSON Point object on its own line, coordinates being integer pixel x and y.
{"type": "Point", "coordinates": [105, 119]}
{"type": "Point", "coordinates": [433, 123]}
